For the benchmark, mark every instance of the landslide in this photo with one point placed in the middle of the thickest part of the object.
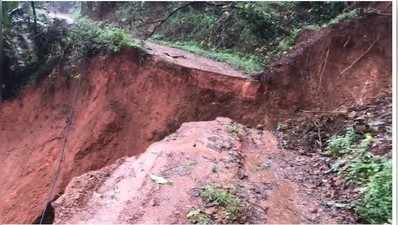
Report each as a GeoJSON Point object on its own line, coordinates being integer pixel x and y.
{"type": "Point", "coordinates": [122, 103]}
{"type": "Point", "coordinates": [177, 179]}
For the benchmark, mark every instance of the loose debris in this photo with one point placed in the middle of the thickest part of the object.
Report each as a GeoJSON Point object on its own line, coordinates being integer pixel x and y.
{"type": "Point", "coordinates": [335, 147]}
{"type": "Point", "coordinates": [308, 133]}
{"type": "Point", "coordinates": [197, 216]}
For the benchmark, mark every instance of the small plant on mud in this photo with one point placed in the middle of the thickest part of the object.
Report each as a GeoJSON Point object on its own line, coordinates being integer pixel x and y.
{"type": "Point", "coordinates": [360, 163]}
{"type": "Point", "coordinates": [373, 174]}
{"type": "Point", "coordinates": [340, 145]}
{"type": "Point", "coordinates": [376, 203]}
{"type": "Point", "coordinates": [236, 129]}
{"type": "Point", "coordinates": [196, 216]}
{"type": "Point", "coordinates": [225, 199]}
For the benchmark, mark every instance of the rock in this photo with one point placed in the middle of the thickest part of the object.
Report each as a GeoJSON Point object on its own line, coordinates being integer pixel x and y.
{"type": "Point", "coordinates": [314, 210]}
{"type": "Point", "coordinates": [260, 126]}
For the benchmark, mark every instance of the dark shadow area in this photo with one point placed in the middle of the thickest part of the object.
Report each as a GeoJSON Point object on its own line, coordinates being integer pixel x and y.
{"type": "Point", "coordinates": [48, 217]}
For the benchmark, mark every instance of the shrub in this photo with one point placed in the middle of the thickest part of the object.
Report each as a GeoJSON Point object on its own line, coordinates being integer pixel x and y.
{"type": "Point", "coordinates": [341, 144]}
{"type": "Point", "coordinates": [373, 174]}
{"type": "Point", "coordinates": [376, 203]}
{"type": "Point", "coordinates": [87, 38]}
{"type": "Point", "coordinates": [362, 167]}
{"type": "Point", "coordinates": [361, 164]}
{"type": "Point", "coordinates": [344, 17]}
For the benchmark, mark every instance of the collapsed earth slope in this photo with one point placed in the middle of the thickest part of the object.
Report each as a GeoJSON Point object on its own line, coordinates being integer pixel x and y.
{"type": "Point", "coordinates": [122, 103]}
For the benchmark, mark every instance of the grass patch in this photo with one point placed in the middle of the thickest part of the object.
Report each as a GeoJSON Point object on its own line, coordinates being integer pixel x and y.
{"type": "Point", "coordinates": [225, 199]}
{"type": "Point", "coordinates": [373, 174]}
{"type": "Point", "coordinates": [345, 16]}
{"type": "Point", "coordinates": [245, 62]}
{"type": "Point", "coordinates": [236, 130]}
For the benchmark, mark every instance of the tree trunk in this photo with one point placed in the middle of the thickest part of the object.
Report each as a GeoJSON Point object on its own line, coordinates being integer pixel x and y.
{"type": "Point", "coordinates": [34, 15]}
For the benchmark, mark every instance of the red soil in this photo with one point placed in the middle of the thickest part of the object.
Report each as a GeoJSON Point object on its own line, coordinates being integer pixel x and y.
{"type": "Point", "coordinates": [219, 153]}
{"type": "Point", "coordinates": [313, 68]}
{"type": "Point", "coordinates": [127, 101]}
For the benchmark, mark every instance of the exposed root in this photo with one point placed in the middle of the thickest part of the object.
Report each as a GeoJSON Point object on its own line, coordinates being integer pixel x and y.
{"type": "Point", "coordinates": [360, 57]}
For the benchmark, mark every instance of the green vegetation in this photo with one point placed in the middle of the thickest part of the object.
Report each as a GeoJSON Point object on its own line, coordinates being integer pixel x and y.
{"type": "Point", "coordinates": [370, 172]}
{"type": "Point", "coordinates": [265, 29]}
{"type": "Point", "coordinates": [247, 63]}
{"type": "Point", "coordinates": [87, 38]}
{"type": "Point", "coordinates": [236, 130]}
{"type": "Point", "coordinates": [226, 207]}
{"type": "Point", "coordinates": [339, 145]}
{"type": "Point", "coordinates": [32, 52]}
{"type": "Point", "coordinates": [376, 203]}
{"type": "Point", "coordinates": [343, 17]}
{"type": "Point", "coordinates": [247, 35]}
{"type": "Point", "coordinates": [284, 45]}
{"type": "Point", "coordinates": [230, 202]}
{"type": "Point", "coordinates": [6, 8]}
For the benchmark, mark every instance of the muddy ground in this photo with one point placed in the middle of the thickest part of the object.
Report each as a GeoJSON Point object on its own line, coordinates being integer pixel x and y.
{"type": "Point", "coordinates": [221, 153]}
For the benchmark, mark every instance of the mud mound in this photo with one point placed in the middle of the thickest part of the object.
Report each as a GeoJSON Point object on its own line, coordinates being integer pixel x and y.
{"type": "Point", "coordinates": [123, 103]}
{"type": "Point", "coordinates": [165, 184]}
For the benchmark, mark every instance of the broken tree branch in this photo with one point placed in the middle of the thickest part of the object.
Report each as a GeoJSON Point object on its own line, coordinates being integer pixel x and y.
{"type": "Point", "coordinates": [325, 61]}
{"type": "Point", "coordinates": [34, 16]}
{"type": "Point", "coordinates": [309, 111]}
{"type": "Point", "coordinates": [162, 21]}
{"type": "Point", "coordinates": [318, 125]}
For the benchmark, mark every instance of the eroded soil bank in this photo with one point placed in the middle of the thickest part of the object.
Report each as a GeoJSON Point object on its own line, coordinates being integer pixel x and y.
{"type": "Point", "coordinates": [123, 103]}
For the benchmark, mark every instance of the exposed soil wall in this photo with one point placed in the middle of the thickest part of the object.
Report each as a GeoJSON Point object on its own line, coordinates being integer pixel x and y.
{"type": "Point", "coordinates": [310, 76]}
{"type": "Point", "coordinates": [120, 109]}
{"type": "Point", "coordinates": [124, 102]}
